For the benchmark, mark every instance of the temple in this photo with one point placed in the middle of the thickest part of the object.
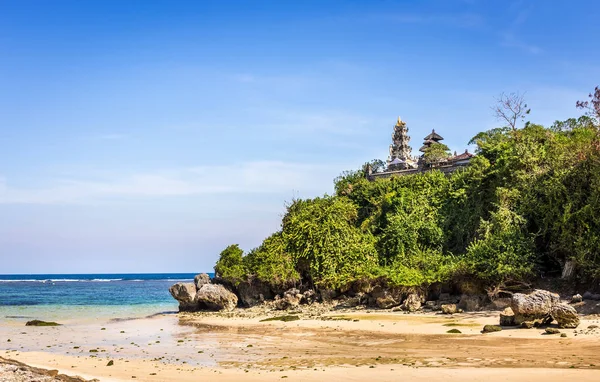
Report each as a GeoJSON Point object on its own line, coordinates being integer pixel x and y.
{"type": "Point", "coordinates": [400, 152]}
{"type": "Point", "coordinates": [401, 162]}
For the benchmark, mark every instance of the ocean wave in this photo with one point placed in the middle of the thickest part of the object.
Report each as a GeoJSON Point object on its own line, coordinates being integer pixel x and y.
{"type": "Point", "coordinates": [57, 280]}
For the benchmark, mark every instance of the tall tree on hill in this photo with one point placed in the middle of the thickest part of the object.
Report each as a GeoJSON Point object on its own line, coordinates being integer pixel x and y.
{"type": "Point", "coordinates": [593, 105]}
{"type": "Point", "coordinates": [511, 109]}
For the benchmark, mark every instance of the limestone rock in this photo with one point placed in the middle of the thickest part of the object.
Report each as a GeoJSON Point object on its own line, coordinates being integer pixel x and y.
{"type": "Point", "coordinates": [386, 301]}
{"type": "Point", "coordinates": [185, 294]}
{"type": "Point", "coordinates": [449, 308]}
{"type": "Point", "coordinates": [291, 299]}
{"type": "Point", "coordinates": [534, 307]}
{"type": "Point", "coordinates": [470, 303]}
{"type": "Point", "coordinates": [201, 279]}
{"type": "Point", "coordinates": [552, 331]}
{"type": "Point", "coordinates": [565, 315]}
{"type": "Point", "coordinates": [507, 317]}
{"type": "Point", "coordinates": [412, 303]}
{"type": "Point", "coordinates": [215, 297]}
{"type": "Point", "coordinates": [351, 302]}
{"type": "Point", "coordinates": [576, 298]}
{"type": "Point", "coordinates": [252, 292]}
{"type": "Point", "coordinates": [491, 329]}
{"type": "Point", "coordinates": [327, 295]}
{"type": "Point", "coordinates": [309, 297]}
{"type": "Point", "coordinates": [385, 298]}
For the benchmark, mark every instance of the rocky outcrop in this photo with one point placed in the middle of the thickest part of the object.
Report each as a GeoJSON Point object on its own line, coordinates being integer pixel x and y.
{"type": "Point", "coordinates": [203, 295]}
{"type": "Point", "coordinates": [449, 308]}
{"type": "Point", "coordinates": [384, 298]}
{"type": "Point", "coordinates": [565, 315]}
{"type": "Point", "coordinates": [185, 293]}
{"type": "Point", "coordinates": [201, 279]}
{"type": "Point", "coordinates": [507, 317]}
{"type": "Point", "coordinates": [534, 308]}
{"type": "Point", "coordinates": [471, 303]}
{"type": "Point", "coordinates": [253, 292]}
{"type": "Point", "coordinates": [215, 297]}
{"type": "Point", "coordinates": [15, 371]}
{"type": "Point", "coordinates": [412, 303]}
{"type": "Point", "coordinates": [290, 300]}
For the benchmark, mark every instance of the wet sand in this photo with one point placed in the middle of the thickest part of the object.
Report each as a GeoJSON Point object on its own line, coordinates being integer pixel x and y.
{"type": "Point", "coordinates": [347, 346]}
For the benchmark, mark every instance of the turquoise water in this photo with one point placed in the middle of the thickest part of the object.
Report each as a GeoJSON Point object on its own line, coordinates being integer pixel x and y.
{"type": "Point", "coordinates": [87, 296]}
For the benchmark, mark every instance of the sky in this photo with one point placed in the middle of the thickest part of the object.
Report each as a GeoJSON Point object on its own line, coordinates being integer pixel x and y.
{"type": "Point", "coordinates": [146, 136]}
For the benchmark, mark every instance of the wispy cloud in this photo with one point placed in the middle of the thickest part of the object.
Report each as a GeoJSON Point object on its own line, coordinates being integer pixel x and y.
{"type": "Point", "coordinates": [252, 177]}
{"type": "Point", "coordinates": [511, 38]}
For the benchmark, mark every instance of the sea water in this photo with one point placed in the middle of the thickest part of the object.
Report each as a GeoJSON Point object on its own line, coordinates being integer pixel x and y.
{"type": "Point", "coordinates": [85, 297]}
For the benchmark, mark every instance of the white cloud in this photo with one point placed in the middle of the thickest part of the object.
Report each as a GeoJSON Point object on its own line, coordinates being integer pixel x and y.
{"type": "Point", "coordinates": [251, 177]}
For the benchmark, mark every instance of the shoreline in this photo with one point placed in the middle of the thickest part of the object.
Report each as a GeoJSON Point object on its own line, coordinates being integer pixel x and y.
{"type": "Point", "coordinates": [336, 344]}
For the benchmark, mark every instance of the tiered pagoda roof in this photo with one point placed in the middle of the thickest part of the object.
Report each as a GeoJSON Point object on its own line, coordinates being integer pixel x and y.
{"type": "Point", "coordinates": [431, 139]}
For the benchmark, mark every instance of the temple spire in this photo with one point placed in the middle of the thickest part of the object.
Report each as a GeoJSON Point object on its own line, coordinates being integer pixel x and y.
{"type": "Point", "coordinates": [400, 151]}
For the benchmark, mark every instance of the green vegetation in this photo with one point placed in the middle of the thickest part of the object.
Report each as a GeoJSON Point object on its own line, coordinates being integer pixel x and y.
{"type": "Point", "coordinates": [454, 331]}
{"type": "Point", "coordinates": [436, 152]}
{"type": "Point", "coordinates": [41, 323]}
{"type": "Point", "coordinates": [528, 203]}
{"type": "Point", "coordinates": [491, 329]}
{"type": "Point", "coordinates": [281, 318]}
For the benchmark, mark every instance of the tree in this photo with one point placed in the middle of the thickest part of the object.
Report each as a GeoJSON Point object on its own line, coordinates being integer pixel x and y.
{"type": "Point", "coordinates": [510, 109]}
{"type": "Point", "coordinates": [230, 265]}
{"type": "Point", "coordinates": [593, 105]}
{"type": "Point", "coordinates": [436, 153]}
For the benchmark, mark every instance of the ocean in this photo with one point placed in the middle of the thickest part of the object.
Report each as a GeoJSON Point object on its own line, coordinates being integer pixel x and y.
{"type": "Point", "coordinates": [84, 297]}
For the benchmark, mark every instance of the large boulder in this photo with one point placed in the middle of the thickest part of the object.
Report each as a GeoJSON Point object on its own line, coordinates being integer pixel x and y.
{"type": "Point", "coordinates": [565, 315]}
{"type": "Point", "coordinates": [384, 298]}
{"type": "Point", "coordinates": [533, 308]}
{"type": "Point", "coordinates": [215, 297]}
{"type": "Point", "coordinates": [449, 308]}
{"type": "Point", "coordinates": [201, 279]}
{"type": "Point", "coordinates": [185, 293]}
{"type": "Point", "coordinates": [290, 300]}
{"type": "Point", "coordinates": [412, 303]}
{"type": "Point", "coordinates": [507, 317]}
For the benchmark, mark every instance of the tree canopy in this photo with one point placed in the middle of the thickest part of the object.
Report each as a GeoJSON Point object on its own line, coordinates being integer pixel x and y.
{"type": "Point", "coordinates": [528, 203]}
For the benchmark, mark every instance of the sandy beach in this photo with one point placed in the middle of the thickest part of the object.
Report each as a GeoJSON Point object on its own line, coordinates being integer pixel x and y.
{"type": "Point", "coordinates": [347, 345]}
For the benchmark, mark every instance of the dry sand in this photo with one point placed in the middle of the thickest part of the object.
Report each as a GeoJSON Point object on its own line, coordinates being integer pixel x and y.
{"type": "Point", "coordinates": [351, 346]}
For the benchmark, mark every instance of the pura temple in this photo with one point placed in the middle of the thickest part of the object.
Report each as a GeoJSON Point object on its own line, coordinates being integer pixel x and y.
{"type": "Point", "coordinates": [401, 162]}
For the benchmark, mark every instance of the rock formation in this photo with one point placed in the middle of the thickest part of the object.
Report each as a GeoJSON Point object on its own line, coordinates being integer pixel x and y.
{"type": "Point", "coordinates": [538, 308]}
{"type": "Point", "coordinates": [565, 315]}
{"type": "Point", "coordinates": [203, 295]}
{"type": "Point", "coordinates": [185, 294]}
{"type": "Point", "coordinates": [215, 297]}
{"type": "Point", "coordinates": [535, 307]}
{"type": "Point", "coordinates": [412, 303]}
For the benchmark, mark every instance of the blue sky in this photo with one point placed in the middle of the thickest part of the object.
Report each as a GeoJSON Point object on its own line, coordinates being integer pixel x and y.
{"type": "Point", "coordinates": [145, 136]}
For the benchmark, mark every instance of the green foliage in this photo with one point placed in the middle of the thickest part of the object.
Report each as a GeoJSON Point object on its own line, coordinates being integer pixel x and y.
{"type": "Point", "coordinates": [324, 242]}
{"type": "Point", "coordinates": [528, 202]}
{"type": "Point", "coordinates": [272, 264]}
{"type": "Point", "coordinates": [503, 250]}
{"type": "Point", "coordinates": [436, 152]}
{"type": "Point", "coordinates": [230, 265]}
